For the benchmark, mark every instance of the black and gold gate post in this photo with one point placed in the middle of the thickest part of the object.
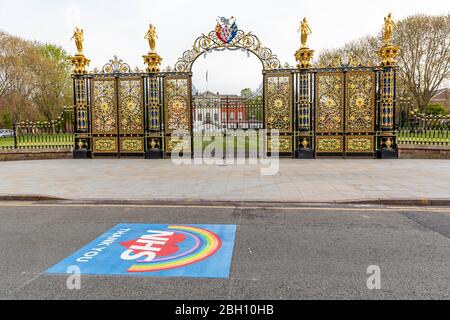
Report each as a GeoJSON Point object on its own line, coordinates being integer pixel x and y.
{"type": "Point", "coordinates": [302, 97]}
{"type": "Point", "coordinates": [83, 138]}
{"type": "Point", "coordinates": [153, 100]}
{"type": "Point", "coordinates": [387, 97]}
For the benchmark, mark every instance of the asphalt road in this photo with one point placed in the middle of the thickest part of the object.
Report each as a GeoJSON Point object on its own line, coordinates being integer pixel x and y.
{"type": "Point", "coordinates": [280, 253]}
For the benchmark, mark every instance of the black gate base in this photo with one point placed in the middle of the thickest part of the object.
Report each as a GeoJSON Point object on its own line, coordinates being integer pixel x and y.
{"type": "Point", "coordinates": [82, 154]}
{"type": "Point", "coordinates": [154, 154]}
{"type": "Point", "coordinates": [304, 154]}
{"type": "Point", "coordinates": [389, 153]}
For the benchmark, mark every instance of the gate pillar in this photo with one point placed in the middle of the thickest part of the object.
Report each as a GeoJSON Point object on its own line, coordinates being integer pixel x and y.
{"type": "Point", "coordinates": [387, 96]}
{"type": "Point", "coordinates": [303, 140]}
{"type": "Point", "coordinates": [82, 129]}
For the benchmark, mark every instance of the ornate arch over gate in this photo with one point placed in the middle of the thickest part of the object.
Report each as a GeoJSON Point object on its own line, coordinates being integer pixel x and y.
{"type": "Point", "coordinates": [240, 41]}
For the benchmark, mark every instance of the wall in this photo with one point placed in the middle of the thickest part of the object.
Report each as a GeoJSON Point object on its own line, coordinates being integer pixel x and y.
{"type": "Point", "coordinates": [417, 151]}
{"type": "Point", "coordinates": [35, 154]}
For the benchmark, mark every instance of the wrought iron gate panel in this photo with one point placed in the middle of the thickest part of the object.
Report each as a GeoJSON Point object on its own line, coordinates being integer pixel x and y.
{"type": "Point", "coordinates": [131, 115]}
{"type": "Point", "coordinates": [345, 112]}
{"type": "Point", "coordinates": [360, 111]}
{"type": "Point", "coordinates": [278, 110]}
{"type": "Point", "coordinates": [360, 106]}
{"type": "Point", "coordinates": [104, 115]}
{"type": "Point", "coordinates": [177, 108]}
{"type": "Point", "coordinates": [330, 102]}
{"type": "Point", "coordinates": [330, 112]}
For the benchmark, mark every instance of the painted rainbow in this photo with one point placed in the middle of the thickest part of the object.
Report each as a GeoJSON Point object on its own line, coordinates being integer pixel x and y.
{"type": "Point", "coordinates": [210, 244]}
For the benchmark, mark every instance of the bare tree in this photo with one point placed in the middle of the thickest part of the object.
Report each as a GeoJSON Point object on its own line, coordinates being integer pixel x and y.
{"type": "Point", "coordinates": [425, 55]}
{"type": "Point", "coordinates": [424, 62]}
{"type": "Point", "coordinates": [363, 49]}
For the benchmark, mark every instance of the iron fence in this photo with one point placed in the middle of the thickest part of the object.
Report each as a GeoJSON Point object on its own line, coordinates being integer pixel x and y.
{"type": "Point", "coordinates": [427, 136]}
{"type": "Point", "coordinates": [421, 128]}
{"type": "Point", "coordinates": [54, 134]}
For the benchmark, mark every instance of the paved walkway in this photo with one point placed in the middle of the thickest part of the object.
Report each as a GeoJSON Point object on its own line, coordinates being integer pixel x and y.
{"type": "Point", "coordinates": [299, 181]}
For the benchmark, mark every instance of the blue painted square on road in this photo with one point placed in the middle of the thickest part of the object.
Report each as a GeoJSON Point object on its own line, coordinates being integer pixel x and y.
{"type": "Point", "coordinates": [157, 250]}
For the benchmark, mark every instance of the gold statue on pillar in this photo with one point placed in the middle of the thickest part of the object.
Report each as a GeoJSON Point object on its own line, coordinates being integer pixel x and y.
{"type": "Point", "coordinates": [388, 29]}
{"type": "Point", "coordinates": [79, 61]}
{"type": "Point", "coordinates": [305, 31]}
{"type": "Point", "coordinates": [78, 36]}
{"type": "Point", "coordinates": [304, 55]}
{"type": "Point", "coordinates": [389, 52]}
{"type": "Point", "coordinates": [151, 36]}
{"type": "Point", "coordinates": [152, 59]}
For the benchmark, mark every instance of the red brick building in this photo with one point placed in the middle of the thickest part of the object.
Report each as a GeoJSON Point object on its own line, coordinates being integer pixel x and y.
{"type": "Point", "coordinates": [442, 97]}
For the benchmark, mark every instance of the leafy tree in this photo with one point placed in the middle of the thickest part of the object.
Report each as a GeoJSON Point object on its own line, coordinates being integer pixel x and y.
{"type": "Point", "coordinates": [246, 93]}
{"type": "Point", "coordinates": [34, 80]}
{"type": "Point", "coordinates": [436, 110]}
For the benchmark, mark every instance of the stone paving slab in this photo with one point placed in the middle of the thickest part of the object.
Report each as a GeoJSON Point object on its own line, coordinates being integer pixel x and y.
{"type": "Point", "coordinates": [324, 180]}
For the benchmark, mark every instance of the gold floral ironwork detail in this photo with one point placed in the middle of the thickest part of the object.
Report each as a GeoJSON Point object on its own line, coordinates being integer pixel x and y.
{"type": "Point", "coordinates": [153, 61]}
{"type": "Point", "coordinates": [329, 144]}
{"type": "Point", "coordinates": [304, 57]}
{"type": "Point", "coordinates": [278, 102]}
{"type": "Point", "coordinates": [132, 145]}
{"type": "Point", "coordinates": [178, 144]}
{"type": "Point", "coordinates": [131, 114]}
{"type": "Point", "coordinates": [360, 111]}
{"type": "Point", "coordinates": [360, 144]}
{"type": "Point", "coordinates": [104, 111]}
{"type": "Point", "coordinates": [105, 145]}
{"type": "Point", "coordinates": [177, 103]}
{"type": "Point", "coordinates": [280, 144]}
{"type": "Point", "coordinates": [116, 65]}
{"type": "Point", "coordinates": [330, 102]}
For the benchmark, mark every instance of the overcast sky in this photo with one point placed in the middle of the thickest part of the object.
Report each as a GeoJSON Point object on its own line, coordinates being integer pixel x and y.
{"type": "Point", "coordinates": [117, 27]}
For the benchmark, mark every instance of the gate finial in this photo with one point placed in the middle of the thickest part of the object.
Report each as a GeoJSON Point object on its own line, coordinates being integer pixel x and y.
{"type": "Point", "coordinates": [305, 31]}
{"type": "Point", "coordinates": [152, 59]}
{"type": "Point", "coordinates": [304, 55]}
{"type": "Point", "coordinates": [79, 61]}
{"type": "Point", "coordinates": [389, 52]}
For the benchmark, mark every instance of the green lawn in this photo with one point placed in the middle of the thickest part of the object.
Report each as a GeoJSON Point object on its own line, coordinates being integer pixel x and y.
{"type": "Point", "coordinates": [249, 144]}
{"type": "Point", "coordinates": [6, 142]}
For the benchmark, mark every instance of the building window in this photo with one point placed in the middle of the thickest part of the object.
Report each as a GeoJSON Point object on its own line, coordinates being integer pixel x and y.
{"type": "Point", "coordinates": [200, 117]}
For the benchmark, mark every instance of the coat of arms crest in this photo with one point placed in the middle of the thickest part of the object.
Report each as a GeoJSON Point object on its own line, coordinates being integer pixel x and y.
{"type": "Point", "coordinates": [226, 29]}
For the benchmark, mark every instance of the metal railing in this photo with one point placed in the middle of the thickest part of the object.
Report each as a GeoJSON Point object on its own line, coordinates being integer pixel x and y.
{"type": "Point", "coordinates": [54, 134]}
{"type": "Point", "coordinates": [427, 136]}
{"type": "Point", "coordinates": [422, 129]}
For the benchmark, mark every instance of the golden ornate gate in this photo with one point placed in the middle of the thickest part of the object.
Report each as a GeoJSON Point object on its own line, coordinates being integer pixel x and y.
{"type": "Point", "coordinates": [279, 112]}
{"type": "Point", "coordinates": [345, 108]}
{"type": "Point", "coordinates": [345, 112]}
{"type": "Point", "coordinates": [117, 111]}
{"type": "Point", "coordinates": [177, 110]}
